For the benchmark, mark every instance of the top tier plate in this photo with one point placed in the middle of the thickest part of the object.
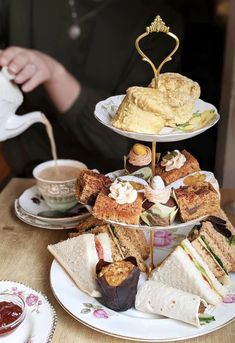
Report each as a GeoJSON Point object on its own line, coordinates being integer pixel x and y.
{"type": "Point", "coordinates": [106, 109]}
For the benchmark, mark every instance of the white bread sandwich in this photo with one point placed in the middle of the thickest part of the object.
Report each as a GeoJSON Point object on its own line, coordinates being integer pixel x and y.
{"type": "Point", "coordinates": [124, 242]}
{"type": "Point", "coordinates": [155, 297]}
{"type": "Point", "coordinates": [79, 256]}
{"type": "Point", "coordinates": [185, 269]}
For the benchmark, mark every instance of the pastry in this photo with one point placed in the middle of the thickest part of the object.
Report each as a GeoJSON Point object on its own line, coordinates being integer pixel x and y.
{"type": "Point", "coordinates": [118, 283]}
{"type": "Point", "coordinates": [148, 110]}
{"type": "Point", "coordinates": [107, 207]}
{"type": "Point", "coordinates": [196, 201]}
{"type": "Point", "coordinates": [160, 208]}
{"type": "Point", "coordinates": [89, 184]}
{"type": "Point", "coordinates": [175, 165]}
{"type": "Point", "coordinates": [140, 156]}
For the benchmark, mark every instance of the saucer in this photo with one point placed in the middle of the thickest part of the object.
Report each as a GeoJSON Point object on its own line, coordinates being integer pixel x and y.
{"type": "Point", "coordinates": [40, 321]}
{"type": "Point", "coordinates": [31, 220]}
{"type": "Point", "coordinates": [32, 207]}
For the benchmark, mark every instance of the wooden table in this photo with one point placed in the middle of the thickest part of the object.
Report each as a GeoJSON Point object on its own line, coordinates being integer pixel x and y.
{"type": "Point", "coordinates": [24, 258]}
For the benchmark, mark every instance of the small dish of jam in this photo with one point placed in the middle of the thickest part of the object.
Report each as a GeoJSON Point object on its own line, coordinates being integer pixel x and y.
{"type": "Point", "coordinates": [12, 312]}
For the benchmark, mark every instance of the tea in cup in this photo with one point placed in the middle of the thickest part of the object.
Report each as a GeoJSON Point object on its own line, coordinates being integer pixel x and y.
{"type": "Point", "coordinates": [56, 182]}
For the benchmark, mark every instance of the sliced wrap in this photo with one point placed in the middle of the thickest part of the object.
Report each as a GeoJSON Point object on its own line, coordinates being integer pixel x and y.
{"type": "Point", "coordinates": [157, 298]}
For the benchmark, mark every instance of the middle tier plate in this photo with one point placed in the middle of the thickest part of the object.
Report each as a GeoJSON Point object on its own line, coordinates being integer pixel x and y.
{"type": "Point", "coordinates": [184, 226]}
{"type": "Point", "coordinates": [106, 109]}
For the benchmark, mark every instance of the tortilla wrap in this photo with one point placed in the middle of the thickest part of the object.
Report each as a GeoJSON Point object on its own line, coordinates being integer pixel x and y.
{"type": "Point", "coordinates": [157, 298]}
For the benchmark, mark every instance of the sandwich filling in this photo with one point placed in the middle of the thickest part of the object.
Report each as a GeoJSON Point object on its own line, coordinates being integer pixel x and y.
{"type": "Point", "coordinates": [201, 269]}
{"type": "Point", "coordinates": [224, 279]}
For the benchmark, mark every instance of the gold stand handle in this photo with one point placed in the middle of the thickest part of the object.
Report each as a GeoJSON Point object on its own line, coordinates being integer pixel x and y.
{"type": "Point", "coordinates": [157, 25]}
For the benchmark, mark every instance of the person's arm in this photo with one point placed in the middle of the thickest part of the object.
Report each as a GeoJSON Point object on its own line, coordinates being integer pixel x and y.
{"type": "Point", "coordinates": [32, 68]}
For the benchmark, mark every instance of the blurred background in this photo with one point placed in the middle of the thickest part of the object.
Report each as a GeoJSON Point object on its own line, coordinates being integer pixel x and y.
{"type": "Point", "coordinates": [208, 58]}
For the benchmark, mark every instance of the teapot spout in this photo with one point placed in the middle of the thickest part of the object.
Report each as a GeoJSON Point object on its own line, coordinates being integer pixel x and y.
{"type": "Point", "coordinates": [17, 124]}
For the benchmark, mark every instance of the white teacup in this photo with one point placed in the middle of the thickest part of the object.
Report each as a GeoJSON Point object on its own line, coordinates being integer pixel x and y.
{"type": "Point", "coordinates": [58, 188]}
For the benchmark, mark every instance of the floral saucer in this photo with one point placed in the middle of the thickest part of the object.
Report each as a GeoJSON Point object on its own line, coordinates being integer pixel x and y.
{"type": "Point", "coordinates": [31, 220]}
{"type": "Point", "coordinates": [32, 207]}
{"type": "Point", "coordinates": [40, 321]}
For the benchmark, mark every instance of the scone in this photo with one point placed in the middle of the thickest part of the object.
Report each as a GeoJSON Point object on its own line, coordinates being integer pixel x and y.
{"type": "Point", "coordinates": [139, 111]}
{"type": "Point", "coordinates": [89, 184]}
{"type": "Point", "coordinates": [179, 89]}
{"type": "Point", "coordinates": [175, 165]}
{"type": "Point", "coordinates": [148, 110]}
{"type": "Point", "coordinates": [196, 201]}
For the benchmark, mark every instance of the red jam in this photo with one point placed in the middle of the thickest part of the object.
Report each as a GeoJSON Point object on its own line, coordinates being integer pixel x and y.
{"type": "Point", "coordinates": [9, 313]}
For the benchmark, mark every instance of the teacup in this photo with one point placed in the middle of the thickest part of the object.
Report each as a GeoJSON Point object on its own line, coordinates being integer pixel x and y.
{"type": "Point", "coordinates": [56, 182]}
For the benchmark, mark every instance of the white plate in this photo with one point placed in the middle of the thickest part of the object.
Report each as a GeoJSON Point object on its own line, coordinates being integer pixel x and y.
{"type": "Point", "coordinates": [106, 109]}
{"type": "Point", "coordinates": [31, 220]}
{"type": "Point", "coordinates": [131, 324]}
{"type": "Point", "coordinates": [33, 204]}
{"type": "Point", "coordinates": [40, 321]}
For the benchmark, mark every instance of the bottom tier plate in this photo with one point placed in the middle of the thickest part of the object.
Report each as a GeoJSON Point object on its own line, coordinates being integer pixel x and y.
{"type": "Point", "coordinates": [131, 324]}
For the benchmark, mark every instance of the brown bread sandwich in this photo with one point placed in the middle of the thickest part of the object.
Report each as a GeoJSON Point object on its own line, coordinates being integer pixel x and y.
{"type": "Point", "coordinates": [124, 242]}
{"type": "Point", "coordinates": [211, 239]}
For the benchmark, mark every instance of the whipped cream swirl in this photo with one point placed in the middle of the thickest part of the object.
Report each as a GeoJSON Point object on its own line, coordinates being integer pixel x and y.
{"type": "Point", "coordinates": [140, 160]}
{"type": "Point", "coordinates": [175, 162]}
{"type": "Point", "coordinates": [157, 192]}
{"type": "Point", "coordinates": [122, 192]}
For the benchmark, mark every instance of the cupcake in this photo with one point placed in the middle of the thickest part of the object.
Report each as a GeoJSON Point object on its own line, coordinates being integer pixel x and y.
{"type": "Point", "coordinates": [160, 208]}
{"type": "Point", "coordinates": [118, 283]}
{"type": "Point", "coordinates": [140, 156]}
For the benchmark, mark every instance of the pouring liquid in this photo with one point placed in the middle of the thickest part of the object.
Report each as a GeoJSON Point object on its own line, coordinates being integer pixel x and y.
{"type": "Point", "coordinates": [56, 172]}
{"type": "Point", "coordinates": [50, 134]}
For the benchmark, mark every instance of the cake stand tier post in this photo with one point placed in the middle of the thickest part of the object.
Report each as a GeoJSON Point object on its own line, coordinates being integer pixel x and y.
{"type": "Point", "coordinates": [153, 158]}
{"type": "Point", "coordinates": [151, 264]}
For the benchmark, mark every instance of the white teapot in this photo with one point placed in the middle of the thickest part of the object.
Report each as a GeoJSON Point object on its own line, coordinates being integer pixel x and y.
{"type": "Point", "coordinates": [11, 98]}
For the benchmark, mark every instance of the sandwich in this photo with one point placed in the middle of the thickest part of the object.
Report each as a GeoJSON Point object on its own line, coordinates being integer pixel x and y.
{"type": "Point", "coordinates": [185, 269]}
{"type": "Point", "coordinates": [80, 254]}
{"type": "Point", "coordinates": [124, 242]}
{"type": "Point", "coordinates": [211, 241]}
{"type": "Point", "coordinates": [79, 257]}
{"type": "Point", "coordinates": [231, 236]}
{"type": "Point", "coordinates": [155, 297]}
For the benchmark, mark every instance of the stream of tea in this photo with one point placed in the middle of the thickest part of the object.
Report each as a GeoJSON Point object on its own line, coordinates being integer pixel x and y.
{"type": "Point", "coordinates": [51, 137]}
{"type": "Point", "coordinates": [56, 172]}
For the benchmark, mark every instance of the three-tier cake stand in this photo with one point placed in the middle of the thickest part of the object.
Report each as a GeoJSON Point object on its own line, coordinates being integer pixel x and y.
{"type": "Point", "coordinates": [105, 110]}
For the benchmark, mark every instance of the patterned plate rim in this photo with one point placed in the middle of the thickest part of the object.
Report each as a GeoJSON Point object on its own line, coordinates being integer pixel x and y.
{"type": "Point", "coordinates": [54, 315]}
